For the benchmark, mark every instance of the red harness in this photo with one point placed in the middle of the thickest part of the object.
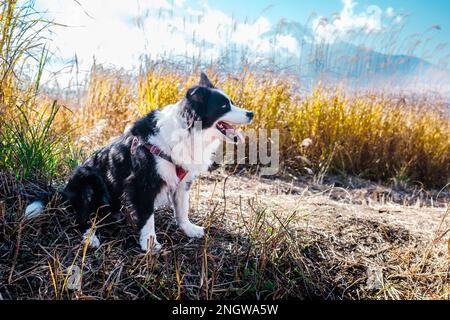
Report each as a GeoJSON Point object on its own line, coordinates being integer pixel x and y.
{"type": "Point", "coordinates": [181, 173]}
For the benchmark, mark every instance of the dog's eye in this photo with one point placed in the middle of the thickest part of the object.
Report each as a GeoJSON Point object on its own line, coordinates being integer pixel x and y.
{"type": "Point", "coordinates": [224, 106]}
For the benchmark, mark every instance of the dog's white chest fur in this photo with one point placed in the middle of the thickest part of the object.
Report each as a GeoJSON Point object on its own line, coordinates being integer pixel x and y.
{"type": "Point", "coordinates": [166, 171]}
{"type": "Point", "coordinates": [191, 149]}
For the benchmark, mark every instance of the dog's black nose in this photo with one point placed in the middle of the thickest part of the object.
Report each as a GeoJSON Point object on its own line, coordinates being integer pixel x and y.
{"type": "Point", "coordinates": [249, 115]}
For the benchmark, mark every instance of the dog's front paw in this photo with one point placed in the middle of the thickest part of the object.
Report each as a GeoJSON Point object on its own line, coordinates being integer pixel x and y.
{"type": "Point", "coordinates": [150, 242]}
{"type": "Point", "coordinates": [192, 230]}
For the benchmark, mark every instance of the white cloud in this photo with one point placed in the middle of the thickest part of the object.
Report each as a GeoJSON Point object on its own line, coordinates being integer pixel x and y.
{"type": "Point", "coordinates": [179, 3]}
{"type": "Point", "coordinates": [287, 42]}
{"type": "Point", "coordinates": [390, 12]}
{"type": "Point", "coordinates": [347, 21]}
{"type": "Point", "coordinates": [118, 32]}
{"type": "Point", "coordinates": [246, 33]}
{"type": "Point", "coordinates": [396, 18]}
{"type": "Point", "coordinates": [96, 28]}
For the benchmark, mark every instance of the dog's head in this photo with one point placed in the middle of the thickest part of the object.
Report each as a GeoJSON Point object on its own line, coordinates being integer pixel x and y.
{"type": "Point", "coordinates": [215, 110]}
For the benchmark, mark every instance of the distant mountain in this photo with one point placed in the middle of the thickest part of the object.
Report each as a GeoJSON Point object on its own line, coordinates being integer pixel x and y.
{"type": "Point", "coordinates": [368, 68]}
{"type": "Point", "coordinates": [343, 62]}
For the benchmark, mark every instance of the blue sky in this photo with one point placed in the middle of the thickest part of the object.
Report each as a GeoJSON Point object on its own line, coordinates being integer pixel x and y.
{"type": "Point", "coordinates": [118, 32]}
{"type": "Point", "coordinates": [418, 15]}
{"type": "Point", "coordinates": [299, 9]}
{"type": "Point", "coordinates": [422, 13]}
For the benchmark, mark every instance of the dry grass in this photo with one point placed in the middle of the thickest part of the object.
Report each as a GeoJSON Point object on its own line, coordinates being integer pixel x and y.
{"type": "Point", "coordinates": [400, 139]}
{"type": "Point", "coordinates": [265, 239]}
{"type": "Point", "coordinates": [391, 139]}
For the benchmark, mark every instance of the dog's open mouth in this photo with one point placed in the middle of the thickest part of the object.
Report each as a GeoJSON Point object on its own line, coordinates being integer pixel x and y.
{"type": "Point", "coordinates": [229, 132]}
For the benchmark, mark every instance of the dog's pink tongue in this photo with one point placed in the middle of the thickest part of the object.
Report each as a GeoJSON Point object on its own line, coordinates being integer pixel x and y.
{"type": "Point", "coordinates": [232, 133]}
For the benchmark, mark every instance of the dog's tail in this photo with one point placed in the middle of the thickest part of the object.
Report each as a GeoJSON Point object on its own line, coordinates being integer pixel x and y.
{"type": "Point", "coordinates": [37, 204]}
{"type": "Point", "coordinates": [86, 187]}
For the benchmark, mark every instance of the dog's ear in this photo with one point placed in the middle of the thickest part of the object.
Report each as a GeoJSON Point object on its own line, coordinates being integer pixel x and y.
{"type": "Point", "coordinates": [204, 81]}
{"type": "Point", "coordinates": [197, 104]}
{"type": "Point", "coordinates": [198, 94]}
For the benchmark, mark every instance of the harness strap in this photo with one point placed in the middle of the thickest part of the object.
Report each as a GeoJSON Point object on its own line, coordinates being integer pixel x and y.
{"type": "Point", "coordinates": [181, 173]}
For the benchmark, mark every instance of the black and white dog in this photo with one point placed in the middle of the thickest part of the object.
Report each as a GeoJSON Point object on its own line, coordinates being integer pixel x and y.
{"type": "Point", "coordinates": [153, 163]}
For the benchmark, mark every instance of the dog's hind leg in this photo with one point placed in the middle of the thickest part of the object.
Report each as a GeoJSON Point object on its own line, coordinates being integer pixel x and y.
{"type": "Point", "coordinates": [87, 194]}
{"type": "Point", "coordinates": [86, 207]}
{"type": "Point", "coordinates": [142, 199]}
{"type": "Point", "coordinates": [147, 237]}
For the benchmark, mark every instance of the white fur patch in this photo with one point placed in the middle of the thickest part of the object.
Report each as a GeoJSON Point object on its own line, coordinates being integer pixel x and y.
{"type": "Point", "coordinates": [94, 242]}
{"type": "Point", "coordinates": [162, 200]}
{"type": "Point", "coordinates": [167, 172]}
{"type": "Point", "coordinates": [148, 236]}
{"type": "Point", "coordinates": [176, 141]}
{"type": "Point", "coordinates": [181, 203]}
{"type": "Point", "coordinates": [34, 209]}
{"type": "Point", "coordinates": [192, 230]}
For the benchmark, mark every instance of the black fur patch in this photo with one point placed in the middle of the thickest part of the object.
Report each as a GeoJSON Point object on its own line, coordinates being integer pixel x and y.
{"type": "Point", "coordinates": [206, 105]}
{"type": "Point", "coordinates": [112, 176]}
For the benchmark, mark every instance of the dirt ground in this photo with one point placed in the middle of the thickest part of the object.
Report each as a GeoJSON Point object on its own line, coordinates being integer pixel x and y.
{"type": "Point", "coordinates": [367, 240]}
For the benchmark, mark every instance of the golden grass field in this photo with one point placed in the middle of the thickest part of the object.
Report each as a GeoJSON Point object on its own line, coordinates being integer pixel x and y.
{"type": "Point", "coordinates": [387, 139]}
{"type": "Point", "coordinates": [259, 245]}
